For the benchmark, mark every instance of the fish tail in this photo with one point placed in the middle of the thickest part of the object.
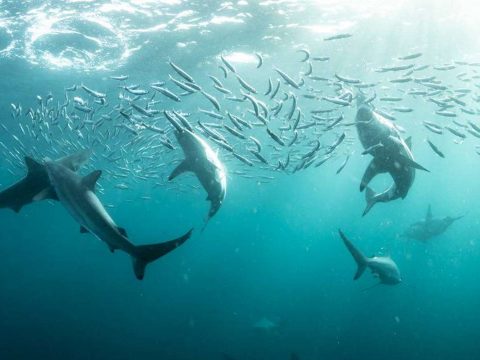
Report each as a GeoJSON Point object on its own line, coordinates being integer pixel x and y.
{"type": "Point", "coordinates": [359, 258]}
{"type": "Point", "coordinates": [144, 254]}
{"type": "Point", "coordinates": [371, 198]}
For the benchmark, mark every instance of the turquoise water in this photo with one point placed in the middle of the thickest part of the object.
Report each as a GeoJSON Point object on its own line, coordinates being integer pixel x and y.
{"type": "Point", "coordinates": [268, 277]}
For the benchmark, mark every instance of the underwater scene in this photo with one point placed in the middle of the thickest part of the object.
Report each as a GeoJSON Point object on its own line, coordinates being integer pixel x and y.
{"type": "Point", "coordinates": [239, 180]}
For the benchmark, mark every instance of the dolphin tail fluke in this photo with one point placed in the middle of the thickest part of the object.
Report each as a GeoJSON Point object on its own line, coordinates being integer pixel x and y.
{"type": "Point", "coordinates": [359, 258]}
{"type": "Point", "coordinates": [145, 254]}
{"type": "Point", "coordinates": [371, 200]}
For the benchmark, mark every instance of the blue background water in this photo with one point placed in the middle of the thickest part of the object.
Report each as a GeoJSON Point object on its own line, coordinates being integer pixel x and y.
{"type": "Point", "coordinates": [272, 250]}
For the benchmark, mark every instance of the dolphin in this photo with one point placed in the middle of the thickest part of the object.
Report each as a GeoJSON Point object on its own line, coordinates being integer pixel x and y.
{"type": "Point", "coordinates": [429, 227]}
{"type": "Point", "coordinates": [77, 195]}
{"type": "Point", "coordinates": [382, 267]}
{"type": "Point", "coordinates": [391, 154]}
{"type": "Point", "coordinates": [36, 181]}
{"type": "Point", "coordinates": [203, 162]}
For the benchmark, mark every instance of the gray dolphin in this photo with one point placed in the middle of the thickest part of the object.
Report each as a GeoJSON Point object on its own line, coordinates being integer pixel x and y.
{"type": "Point", "coordinates": [36, 181]}
{"type": "Point", "coordinates": [381, 266]}
{"type": "Point", "coordinates": [77, 195]}
{"type": "Point", "coordinates": [391, 154]}
{"type": "Point", "coordinates": [202, 160]}
{"type": "Point", "coordinates": [429, 227]}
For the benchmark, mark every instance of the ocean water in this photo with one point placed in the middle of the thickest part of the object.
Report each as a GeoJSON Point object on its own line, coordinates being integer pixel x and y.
{"type": "Point", "coordinates": [268, 277]}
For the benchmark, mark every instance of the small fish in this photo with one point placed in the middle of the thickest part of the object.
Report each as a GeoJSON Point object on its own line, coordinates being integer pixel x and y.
{"type": "Point", "coordinates": [338, 36]}
{"type": "Point", "coordinates": [181, 85]}
{"type": "Point", "coordinates": [93, 92]}
{"type": "Point", "coordinates": [321, 58]}
{"type": "Point", "coordinates": [347, 79]}
{"type": "Point", "coordinates": [242, 159]}
{"type": "Point", "coordinates": [245, 85]}
{"type": "Point", "coordinates": [234, 132]}
{"type": "Point", "coordinates": [119, 77]}
{"type": "Point", "coordinates": [336, 101]}
{"type": "Point", "coordinates": [410, 56]}
{"type": "Point", "coordinates": [322, 161]}
{"type": "Point", "coordinates": [275, 137]}
{"type": "Point", "coordinates": [445, 113]}
{"type": "Point", "coordinates": [257, 143]}
{"type": "Point", "coordinates": [455, 132]}
{"type": "Point", "coordinates": [181, 72]}
{"type": "Point", "coordinates": [445, 67]}
{"type": "Point", "coordinates": [335, 144]}
{"type": "Point", "coordinates": [166, 92]}
{"type": "Point", "coordinates": [306, 54]}
{"type": "Point", "coordinates": [224, 71]}
{"type": "Point", "coordinates": [287, 78]}
{"type": "Point", "coordinates": [396, 68]}
{"type": "Point", "coordinates": [343, 164]}
{"type": "Point", "coordinates": [401, 80]}
{"type": "Point", "coordinates": [275, 91]}
{"type": "Point", "coordinates": [228, 65]}
{"type": "Point", "coordinates": [259, 156]}
{"type": "Point", "coordinates": [433, 129]}
{"type": "Point", "coordinates": [270, 86]}
{"type": "Point", "coordinates": [260, 60]}
{"type": "Point", "coordinates": [435, 149]}
{"type": "Point", "coordinates": [212, 99]}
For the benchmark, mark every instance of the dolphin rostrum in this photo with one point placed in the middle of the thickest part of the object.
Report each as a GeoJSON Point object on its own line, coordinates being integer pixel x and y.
{"type": "Point", "coordinates": [36, 181]}
{"type": "Point", "coordinates": [429, 227]}
{"type": "Point", "coordinates": [77, 195]}
{"type": "Point", "coordinates": [382, 267]}
{"type": "Point", "coordinates": [391, 154]}
{"type": "Point", "coordinates": [203, 162]}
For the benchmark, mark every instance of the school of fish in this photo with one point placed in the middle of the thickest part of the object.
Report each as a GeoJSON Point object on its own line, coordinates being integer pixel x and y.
{"type": "Point", "coordinates": [272, 122]}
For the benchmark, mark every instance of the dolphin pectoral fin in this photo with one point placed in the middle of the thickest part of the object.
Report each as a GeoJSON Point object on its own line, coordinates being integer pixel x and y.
{"type": "Point", "coordinates": [122, 231]}
{"type": "Point", "coordinates": [83, 230]}
{"type": "Point", "coordinates": [47, 193]}
{"type": "Point", "coordinates": [412, 163]}
{"type": "Point", "coordinates": [181, 168]}
{"type": "Point", "coordinates": [91, 179]}
{"type": "Point", "coordinates": [371, 171]}
{"type": "Point", "coordinates": [111, 248]}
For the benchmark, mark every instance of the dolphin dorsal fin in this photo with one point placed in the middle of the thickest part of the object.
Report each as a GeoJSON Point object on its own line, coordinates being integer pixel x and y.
{"type": "Point", "coordinates": [408, 141]}
{"type": "Point", "coordinates": [32, 165]}
{"type": "Point", "coordinates": [429, 213]}
{"type": "Point", "coordinates": [91, 179]}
